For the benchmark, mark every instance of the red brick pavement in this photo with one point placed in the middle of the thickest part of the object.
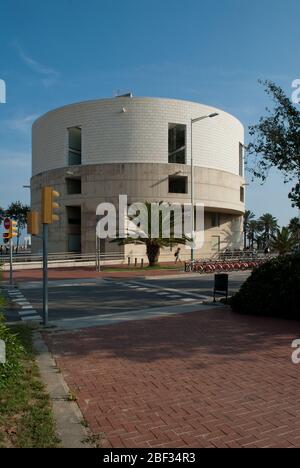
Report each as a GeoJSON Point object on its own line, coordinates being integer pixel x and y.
{"type": "Point", "coordinates": [205, 379]}
{"type": "Point", "coordinates": [88, 272]}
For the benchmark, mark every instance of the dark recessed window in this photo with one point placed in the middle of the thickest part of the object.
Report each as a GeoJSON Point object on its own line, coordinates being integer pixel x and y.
{"type": "Point", "coordinates": [178, 184]}
{"type": "Point", "coordinates": [177, 144]}
{"type": "Point", "coordinates": [215, 220]}
{"type": "Point", "coordinates": [74, 153]}
{"type": "Point", "coordinates": [241, 160]}
{"type": "Point", "coordinates": [242, 194]}
{"type": "Point", "coordinates": [74, 215]}
{"type": "Point", "coordinates": [73, 186]}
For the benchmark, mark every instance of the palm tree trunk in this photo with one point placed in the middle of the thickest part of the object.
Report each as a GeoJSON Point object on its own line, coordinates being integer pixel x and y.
{"type": "Point", "coordinates": [153, 252]}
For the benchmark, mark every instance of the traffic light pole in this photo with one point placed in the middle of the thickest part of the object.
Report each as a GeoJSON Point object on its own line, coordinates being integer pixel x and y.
{"type": "Point", "coordinates": [10, 262]}
{"type": "Point", "coordinates": [45, 274]}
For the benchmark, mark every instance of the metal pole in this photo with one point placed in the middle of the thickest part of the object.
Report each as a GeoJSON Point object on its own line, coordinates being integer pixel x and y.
{"type": "Point", "coordinates": [192, 195]}
{"type": "Point", "coordinates": [45, 274]}
{"type": "Point", "coordinates": [10, 262]}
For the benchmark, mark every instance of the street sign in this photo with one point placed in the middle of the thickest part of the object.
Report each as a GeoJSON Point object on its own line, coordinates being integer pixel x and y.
{"type": "Point", "coordinates": [7, 223]}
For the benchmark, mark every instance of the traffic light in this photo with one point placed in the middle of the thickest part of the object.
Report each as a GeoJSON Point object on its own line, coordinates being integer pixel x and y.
{"type": "Point", "coordinates": [48, 205]}
{"type": "Point", "coordinates": [13, 230]}
{"type": "Point", "coordinates": [6, 237]}
{"type": "Point", "coordinates": [33, 227]}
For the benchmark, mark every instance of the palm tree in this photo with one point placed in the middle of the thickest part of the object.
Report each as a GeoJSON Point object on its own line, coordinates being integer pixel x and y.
{"type": "Point", "coordinates": [269, 224]}
{"type": "Point", "coordinates": [294, 227]}
{"type": "Point", "coordinates": [283, 241]}
{"type": "Point", "coordinates": [254, 229]}
{"type": "Point", "coordinates": [248, 217]}
{"type": "Point", "coordinates": [153, 244]}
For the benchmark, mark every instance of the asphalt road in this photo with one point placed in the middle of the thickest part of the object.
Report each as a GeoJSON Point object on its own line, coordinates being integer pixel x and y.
{"type": "Point", "coordinates": [77, 299]}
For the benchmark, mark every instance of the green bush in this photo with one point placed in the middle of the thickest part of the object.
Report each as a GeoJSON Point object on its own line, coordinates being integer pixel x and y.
{"type": "Point", "coordinates": [273, 290]}
{"type": "Point", "coordinates": [14, 350]}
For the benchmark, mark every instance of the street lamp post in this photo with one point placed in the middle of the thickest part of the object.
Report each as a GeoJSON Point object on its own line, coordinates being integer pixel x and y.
{"type": "Point", "coordinates": [193, 121]}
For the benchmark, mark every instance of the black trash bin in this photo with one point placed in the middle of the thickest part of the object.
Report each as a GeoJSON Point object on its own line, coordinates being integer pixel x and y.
{"type": "Point", "coordinates": [221, 285]}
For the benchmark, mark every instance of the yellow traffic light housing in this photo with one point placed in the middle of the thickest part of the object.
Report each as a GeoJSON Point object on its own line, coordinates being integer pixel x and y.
{"type": "Point", "coordinates": [6, 236]}
{"type": "Point", "coordinates": [48, 205]}
{"type": "Point", "coordinates": [13, 230]}
{"type": "Point", "coordinates": [33, 226]}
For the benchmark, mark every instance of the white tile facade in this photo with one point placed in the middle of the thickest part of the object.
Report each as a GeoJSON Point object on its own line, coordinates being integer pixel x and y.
{"type": "Point", "coordinates": [138, 135]}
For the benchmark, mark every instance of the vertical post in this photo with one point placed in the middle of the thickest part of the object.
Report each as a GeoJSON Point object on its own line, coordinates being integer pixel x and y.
{"type": "Point", "coordinates": [10, 262]}
{"type": "Point", "coordinates": [192, 194]}
{"type": "Point", "coordinates": [45, 274]}
{"type": "Point", "coordinates": [96, 255]}
{"type": "Point", "coordinates": [99, 254]}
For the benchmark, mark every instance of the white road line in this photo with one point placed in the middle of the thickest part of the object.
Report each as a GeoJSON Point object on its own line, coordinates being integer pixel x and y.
{"type": "Point", "coordinates": [28, 312]}
{"type": "Point", "coordinates": [32, 318]}
{"type": "Point", "coordinates": [27, 307]}
{"type": "Point", "coordinates": [202, 297]}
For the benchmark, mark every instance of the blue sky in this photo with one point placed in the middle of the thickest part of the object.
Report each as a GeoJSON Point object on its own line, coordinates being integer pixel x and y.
{"type": "Point", "coordinates": [54, 53]}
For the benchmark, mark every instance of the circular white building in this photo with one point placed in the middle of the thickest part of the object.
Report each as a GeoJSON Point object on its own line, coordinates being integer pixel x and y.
{"type": "Point", "coordinates": [94, 151]}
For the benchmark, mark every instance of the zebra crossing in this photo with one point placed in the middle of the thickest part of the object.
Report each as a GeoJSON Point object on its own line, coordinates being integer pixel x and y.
{"type": "Point", "coordinates": [26, 312]}
{"type": "Point", "coordinates": [163, 292]}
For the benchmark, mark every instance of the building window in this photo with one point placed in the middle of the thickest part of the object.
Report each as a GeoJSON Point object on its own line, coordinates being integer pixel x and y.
{"type": "Point", "coordinates": [241, 160]}
{"type": "Point", "coordinates": [242, 194]}
{"type": "Point", "coordinates": [178, 184]}
{"type": "Point", "coordinates": [215, 220]}
{"type": "Point", "coordinates": [74, 152]}
{"type": "Point", "coordinates": [177, 144]}
{"type": "Point", "coordinates": [74, 215]}
{"type": "Point", "coordinates": [74, 228]}
{"type": "Point", "coordinates": [215, 243]}
{"type": "Point", "coordinates": [73, 186]}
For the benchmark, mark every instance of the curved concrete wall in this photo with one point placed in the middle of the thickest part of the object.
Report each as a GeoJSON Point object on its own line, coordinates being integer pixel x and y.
{"type": "Point", "coordinates": [218, 190]}
{"type": "Point", "coordinates": [139, 135]}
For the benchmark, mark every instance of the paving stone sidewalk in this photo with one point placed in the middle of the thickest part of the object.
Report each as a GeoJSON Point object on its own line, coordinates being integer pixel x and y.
{"type": "Point", "coordinates": [209, 379]}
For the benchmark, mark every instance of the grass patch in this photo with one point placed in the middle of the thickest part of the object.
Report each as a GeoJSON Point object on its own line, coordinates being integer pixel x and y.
{"type": "Point", "coordinates": [26, 418]}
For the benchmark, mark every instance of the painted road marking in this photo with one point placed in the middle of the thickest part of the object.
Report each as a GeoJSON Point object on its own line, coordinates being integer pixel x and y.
{"type": "Point", "coordinates": [28, 312]}
{"type": "Point", "coordinates": [32, 318]}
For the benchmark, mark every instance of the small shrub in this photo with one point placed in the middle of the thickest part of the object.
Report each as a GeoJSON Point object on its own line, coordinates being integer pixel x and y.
{"type": "Point", "coordinates": [14, 351]}
{"type": "Point", "coordinates": [273, 290]}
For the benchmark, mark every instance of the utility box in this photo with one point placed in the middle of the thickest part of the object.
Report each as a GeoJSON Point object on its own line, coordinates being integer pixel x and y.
{"type": "Point", "coordinates": [221, 285]}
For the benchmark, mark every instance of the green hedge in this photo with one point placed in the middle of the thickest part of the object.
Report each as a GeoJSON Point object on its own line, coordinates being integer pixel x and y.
{"type": "Point", "coordinates": [272, 290]}
{"type": "Point", "coordinates": [14, 350]}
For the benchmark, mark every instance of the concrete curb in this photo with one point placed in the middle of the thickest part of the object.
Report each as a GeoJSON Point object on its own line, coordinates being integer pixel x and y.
{"type": "Point", "coordinates": [69, 420]}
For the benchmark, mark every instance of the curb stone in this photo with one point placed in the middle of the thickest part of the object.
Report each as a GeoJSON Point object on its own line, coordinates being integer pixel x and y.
{"type": "Point", "coordinates": [69, 419]}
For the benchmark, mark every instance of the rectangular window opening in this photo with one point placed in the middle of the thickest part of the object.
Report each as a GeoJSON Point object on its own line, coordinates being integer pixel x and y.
{"type": "Point", "coordinates": [177, 144]}
{"type": "Point", "coordinates": [242, 195]}
{"type": "Point", "coordinates": [73, 186]}
{"type": "Point", "coordinates": [215, 220]}
{"type": "Point", "coordinates": [74, 228]}
{"type": "Point", "coordinates": [74, 152]}
{"type": "Point", "coordinates": [178, 184]}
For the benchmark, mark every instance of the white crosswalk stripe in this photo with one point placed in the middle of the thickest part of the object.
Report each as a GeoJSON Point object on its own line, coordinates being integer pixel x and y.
{"type": "Point", "coordinates": [27, 313]}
